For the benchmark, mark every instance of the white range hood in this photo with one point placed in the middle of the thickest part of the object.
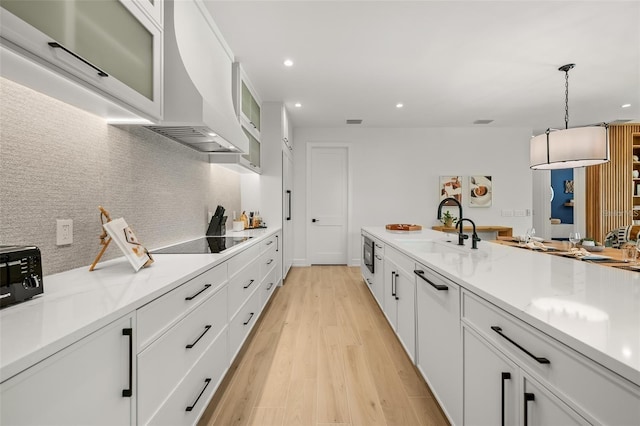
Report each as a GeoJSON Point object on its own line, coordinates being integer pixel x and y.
{"type": "Point", "coordinates": [198, 108]}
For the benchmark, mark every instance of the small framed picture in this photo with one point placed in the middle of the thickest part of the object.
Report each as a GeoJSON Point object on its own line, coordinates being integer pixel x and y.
{"type": "Point", "coordinates": [451, 187]}
{"type": "Point", "coordinates": [126, 240]}
{"type": "Point", "coordinates": [480, 191]}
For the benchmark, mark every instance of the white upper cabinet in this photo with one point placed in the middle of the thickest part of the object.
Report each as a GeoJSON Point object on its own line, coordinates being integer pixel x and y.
{"type": "Point", "coordinates": [246, 101]}
{"type": "Point", "coordinates": [112, 47]}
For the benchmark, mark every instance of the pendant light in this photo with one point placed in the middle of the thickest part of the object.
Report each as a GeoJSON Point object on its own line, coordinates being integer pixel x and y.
{"type": "Point", "coordinates": [569, 148]}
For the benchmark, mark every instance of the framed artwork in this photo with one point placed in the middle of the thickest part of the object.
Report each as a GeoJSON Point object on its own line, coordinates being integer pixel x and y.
{"type": "Point", "coordinates": [126, 240]}
{"type": "Point", "coordinates": [480, 191]}
{"type": "Point", "coordinates": [451, 186]}
{"type": "Point", "coordinates": [568, 186]}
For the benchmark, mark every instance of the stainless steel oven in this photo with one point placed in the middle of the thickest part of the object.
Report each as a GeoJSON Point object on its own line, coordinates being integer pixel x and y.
{"type": "Point", "coordinates": [368, 248]}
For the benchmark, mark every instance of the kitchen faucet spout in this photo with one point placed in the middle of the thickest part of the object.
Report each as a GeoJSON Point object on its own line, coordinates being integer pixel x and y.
{"type": "Point", "coordinates": [462, 237]}
{"type": "Point", "coordinates": [444, 202]}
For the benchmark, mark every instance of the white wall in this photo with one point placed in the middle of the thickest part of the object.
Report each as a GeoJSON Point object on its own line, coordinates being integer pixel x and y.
{"type": "Point", "coordinates": [395, 175]}
{"type": "Point", "coordinates": [58, 162]}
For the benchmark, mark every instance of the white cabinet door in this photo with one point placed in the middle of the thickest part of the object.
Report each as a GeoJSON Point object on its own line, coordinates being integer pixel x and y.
{"type": "Point", "coordinates": [541, 407]}
{"type": "Point", "coordinates": [111, 47]}
{"type": "Point", "coordinates": [406, 297]}
{"type": "Point", "coordinates": [490, 385]}
{"type": "Point", "coordinates": [84, 384]}
{"type": "Point", "coordinates": [287, 214]}
{"type": "Point", "coordinates": [439, 340]}
{"type": "Point", "coordinates": [390, 304]}
{"type": "Point", "coordinates": [378, 278]}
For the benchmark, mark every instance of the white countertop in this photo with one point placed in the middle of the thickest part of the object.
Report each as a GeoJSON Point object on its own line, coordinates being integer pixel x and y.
{"type": "Point", "coordinates": [592, 308]}
{"type": "Point", "coordinates": [76, 303]}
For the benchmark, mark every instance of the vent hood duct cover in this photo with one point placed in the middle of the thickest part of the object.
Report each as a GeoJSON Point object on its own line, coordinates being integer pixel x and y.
{"type": "Point", "coordinates": [198, 106]}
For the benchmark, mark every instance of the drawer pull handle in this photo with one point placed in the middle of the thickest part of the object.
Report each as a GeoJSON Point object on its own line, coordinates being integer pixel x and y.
{"type": "Point", "coordinates": [269, 243]}
{"type": "Point", "coordinates": [57, 45]}
{"type": "Point", "coordinates": [129, 333]}
{"type": "Point", "coordinates": [527, 398]}
{"type": "Point", "coordinates": [206, 286]}
{"type": "Point", "coordinates": [248, 285]}
{"type": "Point", "coordinates": [505, 376]}
{"type": "Point", "coordinates": [438, 287]}
{"type": "Point", "coordinates": [206, 328]}
{"type": "Point", "coordinates": [378, 257]}
{"type": "Point", "coordinates": [249, 320]}
{"type": "Point", "coordinates": [270, 261]}
{"type": "Point", "coordinates": [206, 383]}
{"type": "Point", "coordinates": [378, 245]}
{"type": "Point", "coordinates": [270, 285]}
{"type": "Point", "coordinates": [541, 360]}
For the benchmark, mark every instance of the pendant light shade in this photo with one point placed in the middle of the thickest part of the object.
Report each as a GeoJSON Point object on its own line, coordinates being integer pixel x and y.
{"type": "Point", "coordinates": [570, 148]}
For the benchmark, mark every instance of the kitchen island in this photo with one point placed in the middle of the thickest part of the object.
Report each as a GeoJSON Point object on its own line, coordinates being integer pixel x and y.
{"type": "Point", "coordinates": [544, 321]}
{"type": "Point", "coordinates": [114, 346]}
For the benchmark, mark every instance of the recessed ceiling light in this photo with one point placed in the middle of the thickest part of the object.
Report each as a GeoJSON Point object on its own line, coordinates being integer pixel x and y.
{"type": "Point", "coordinates": [399, 105]}
{"type": "Point", "coordinates": [288, 63]}
{"type": "Point", "coordinates": [298, 105]}
{"type": "Point", "coordinates": [212, 134]}
{"type": "Point", "coordinates": [626, 105]}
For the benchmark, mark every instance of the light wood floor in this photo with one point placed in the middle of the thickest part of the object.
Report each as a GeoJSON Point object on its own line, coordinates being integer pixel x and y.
{"type": "Point", "coordinates": [323, 353]}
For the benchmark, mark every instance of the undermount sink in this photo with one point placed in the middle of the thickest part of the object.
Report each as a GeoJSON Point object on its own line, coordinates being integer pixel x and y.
{"type": "Point", "coordinates": [429, 246]}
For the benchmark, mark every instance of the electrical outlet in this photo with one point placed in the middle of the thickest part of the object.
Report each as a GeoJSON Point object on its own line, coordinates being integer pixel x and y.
{"type": "Point", "coordinates": [64, 232]}
{"type": "Point", "coordinates": [520, 213]}
{"type": "Point", "coordinates": [507, 213]}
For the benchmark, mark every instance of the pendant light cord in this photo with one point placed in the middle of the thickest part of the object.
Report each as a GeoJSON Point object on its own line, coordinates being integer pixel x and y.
{"type": "Point", "coordinates": [566, 99]}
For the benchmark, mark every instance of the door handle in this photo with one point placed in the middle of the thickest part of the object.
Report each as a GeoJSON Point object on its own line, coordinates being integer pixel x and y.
{"type": "Point", "coordinates": [315, 220]}
{"type": "Point", "coordinates": [505, 376]}
{"type": "Point", "coordinates": [289, 196]}
{"type": "Point", "coordinates": [527, 398]}
{"type": "Point", "coordinates": [129, 333]}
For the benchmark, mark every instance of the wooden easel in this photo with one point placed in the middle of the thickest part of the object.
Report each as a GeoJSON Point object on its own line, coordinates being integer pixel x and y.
{"type": "Point", "coordinates": [104, 238]}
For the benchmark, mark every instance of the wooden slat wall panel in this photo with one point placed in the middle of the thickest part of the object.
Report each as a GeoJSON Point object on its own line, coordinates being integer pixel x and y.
{"type": "Point", "coordinates": [609, 195]}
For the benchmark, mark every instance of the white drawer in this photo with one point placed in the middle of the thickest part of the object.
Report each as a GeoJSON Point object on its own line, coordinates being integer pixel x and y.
{"type": "Point", "coordinates": [165, 362]}
{"type": "Point", "coordinates": [402, 260]}
{"type": "Point", "coordinates": [239, 261]}
{"type": "Point", "coordinates": [197, 388]}
{"type": "Point", "coordinates": [379, 247]}
{"type": "Point", "coordinates": [242, 285]}
{"type": "Point", "coordinates": [268, 260]}
{"type": "Point", "coordinates": [599, 394]}
{"type": "Point", "coordinates": [156, 316]}
{"type": "Point", "coordinates": [267, 288]}
{"type": "Point", "coordinates": [242, 323]}
{"type": "Point", "coordinates": [268, 244]}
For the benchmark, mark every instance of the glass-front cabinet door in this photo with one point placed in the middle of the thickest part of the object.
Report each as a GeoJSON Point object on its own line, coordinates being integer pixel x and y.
{"type": "Point", "coordinates": [110, 44]}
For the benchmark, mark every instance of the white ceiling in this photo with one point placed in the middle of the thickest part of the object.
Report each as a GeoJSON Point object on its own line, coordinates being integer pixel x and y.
{"type": "Point", "coordinates": [449, 62]}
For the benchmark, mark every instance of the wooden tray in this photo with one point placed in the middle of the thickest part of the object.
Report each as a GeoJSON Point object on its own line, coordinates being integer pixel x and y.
{"type": "Point", "coordinates": [403, 227]}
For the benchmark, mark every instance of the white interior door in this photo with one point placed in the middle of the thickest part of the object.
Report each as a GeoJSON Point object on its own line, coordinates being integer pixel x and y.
{"type": "Point", "coordinates": [327, 200]}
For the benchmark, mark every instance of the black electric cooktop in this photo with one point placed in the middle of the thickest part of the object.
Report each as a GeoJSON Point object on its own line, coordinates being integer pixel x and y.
{"type": "Point", "coordinates": [203, 245]}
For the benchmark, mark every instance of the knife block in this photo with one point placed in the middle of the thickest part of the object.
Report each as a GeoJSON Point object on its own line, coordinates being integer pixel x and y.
{"type": "Point", "coordinates": [217, 226]}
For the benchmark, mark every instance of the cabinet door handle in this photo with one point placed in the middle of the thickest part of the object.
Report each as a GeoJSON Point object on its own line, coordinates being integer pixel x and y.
{"type": "Point", "coordinates": [505, 376]}
{"type": "Point", "coordinates": [206, 328]}
{"type": "Point", "coordinates": [438, 287]}
{"type": "Point", "coordinates": [289, 196]}
{"type": "Point", "coordinates": [368, 281]}
{"type": "Point", "coordinates": [270, 242]}
{"type": "Point", "coordinates": [270, 261]}
{"type": "Point", "coordinates": [277, 243]}
{"type": "Point", "coordinates": [393, 283]}
{"type": "Point", "coordinates": [248, 285]}
{"type": "Point", "coordinates": [254, 126]}
{"type": "Point", "coordinates": [541, 360]}
{"type": "Point", "coordinates": [56, 45]}
{"type": "Point", "coordinates": [528, 397]}
{"type": "Point", "coordinates": [206, 383]}
{"type": "Point", "coordinates": [378, 257]}
{"type": "Point", "coordinates": [270, 285]}
{"type": "Point", "coordinates": [206, 286]}
{"type": "Point", "coordinates": [249, 320]}
{"type": "Point", "coordinates": [129, 392]}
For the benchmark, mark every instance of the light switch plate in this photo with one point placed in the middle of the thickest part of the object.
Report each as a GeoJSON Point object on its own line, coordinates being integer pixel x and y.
{"type": "Point", "coordinates": [64, 232]}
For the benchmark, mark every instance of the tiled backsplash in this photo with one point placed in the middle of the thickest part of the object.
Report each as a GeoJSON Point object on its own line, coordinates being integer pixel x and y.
{"type": "Point", "coordinates": [59, 162]}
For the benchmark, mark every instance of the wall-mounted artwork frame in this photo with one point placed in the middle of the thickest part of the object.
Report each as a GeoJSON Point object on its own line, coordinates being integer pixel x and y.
{"type": "Point", "coordinates": [451, 186]}
{"type": "Point", "coordinates": [480, 191]}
